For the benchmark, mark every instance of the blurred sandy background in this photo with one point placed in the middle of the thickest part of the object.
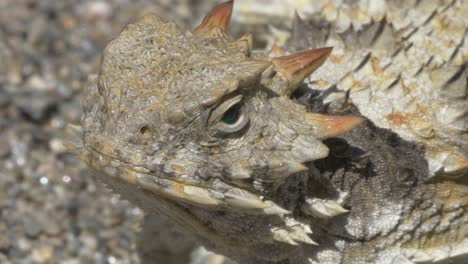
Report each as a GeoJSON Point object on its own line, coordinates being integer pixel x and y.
{"type": "Point", "coordinates": [52, 211]}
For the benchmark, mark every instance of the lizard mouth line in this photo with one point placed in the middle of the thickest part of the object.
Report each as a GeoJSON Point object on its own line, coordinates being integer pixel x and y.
{"type": "Point", "coordinates": [225, 196]}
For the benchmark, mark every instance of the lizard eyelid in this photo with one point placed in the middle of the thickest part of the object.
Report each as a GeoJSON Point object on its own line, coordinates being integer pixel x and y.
{"type": "Point", "coordinates": [229, 116]}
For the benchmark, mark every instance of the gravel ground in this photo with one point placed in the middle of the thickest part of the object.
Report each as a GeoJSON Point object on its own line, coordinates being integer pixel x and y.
{"type": "Point", "coordinates": [52, 211]}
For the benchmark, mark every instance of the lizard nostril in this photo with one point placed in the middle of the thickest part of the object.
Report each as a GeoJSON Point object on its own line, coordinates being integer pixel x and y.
{"type": "Point", "coordinates": [145, 132]}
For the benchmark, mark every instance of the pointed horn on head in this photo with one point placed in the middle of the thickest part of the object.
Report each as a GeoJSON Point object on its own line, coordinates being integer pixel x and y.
{"type": "Point", "coordinates": [298, 66]}
{"type": "Point", "coordinates": [219, 16]}
{"type": "Point", "coordinates": [330, 126]}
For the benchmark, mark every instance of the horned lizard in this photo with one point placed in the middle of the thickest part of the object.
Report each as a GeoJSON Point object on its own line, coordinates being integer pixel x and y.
{"type": "Point", "coordinates": [222, 141]}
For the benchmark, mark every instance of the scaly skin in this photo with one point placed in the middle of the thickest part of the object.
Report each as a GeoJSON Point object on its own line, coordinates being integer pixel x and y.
{"type": "Point", "coordinates": [403, 64]}
{"type": "Point", "coordinates": [193, 126]}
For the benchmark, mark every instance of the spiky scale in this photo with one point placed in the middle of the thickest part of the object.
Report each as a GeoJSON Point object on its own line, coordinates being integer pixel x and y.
{"type": "Point", "coordinates": [220, 16]}
{"type": "Point", "coordinates": [296, 67]}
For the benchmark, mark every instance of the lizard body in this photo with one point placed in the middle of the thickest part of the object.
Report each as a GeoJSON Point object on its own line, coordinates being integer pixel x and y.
{"type": "Point", "coordinates": [198, 128]}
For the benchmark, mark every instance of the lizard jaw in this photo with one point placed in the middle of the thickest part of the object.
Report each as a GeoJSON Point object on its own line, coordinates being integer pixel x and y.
{"type": "Point", "coordinates": [221, 195]}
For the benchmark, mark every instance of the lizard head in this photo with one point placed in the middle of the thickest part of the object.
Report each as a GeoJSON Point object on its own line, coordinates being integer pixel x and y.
{"type": "Point", "coordinates": [196, 118]}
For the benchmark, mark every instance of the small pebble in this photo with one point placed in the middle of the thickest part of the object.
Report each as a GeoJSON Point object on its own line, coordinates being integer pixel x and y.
{"type": "Point", "coordinates": [43, 255]}
{"type": "Point", "coordinates": [4, 98]}
{"type": "Point", "coordinates": [51, 227]}
{"type": "Point", "coordinates": [71, 261]}
{"type": "Point", "coordinates": [23, 244]}
{"type": "Point", "coordinates": [57, 146]}
{"type": "Point", "coordinates": [37, 106]}
{"type": "Point", "coordinates": [36, 82]}
{"type": "Point", "coordinates": [88, 242]}
{"type": "Point", "coordinates": [4, 259]}
{"type": "Point", "coordinates": [31, 226]}
{"type": "Point", "coordinates": [4, 146]}
{"type": "Point", "coordinates": [3, 202]}
{"type": "Point", "coordinates": [5, 243]}
{"type": "Point", "coordinates": [98, 9]}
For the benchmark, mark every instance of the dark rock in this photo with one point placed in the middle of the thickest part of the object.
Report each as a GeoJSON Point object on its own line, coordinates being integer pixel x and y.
{"type": "Point", "coordinates": [36, 106]}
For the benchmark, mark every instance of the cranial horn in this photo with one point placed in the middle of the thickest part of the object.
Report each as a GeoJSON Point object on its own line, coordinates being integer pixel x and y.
{"type": "Point", "coordinates": [298, 66]}
{"type": "Point", "coordinates": [326, 126]}
{"type": "Point", "coordinates": [219, 16]}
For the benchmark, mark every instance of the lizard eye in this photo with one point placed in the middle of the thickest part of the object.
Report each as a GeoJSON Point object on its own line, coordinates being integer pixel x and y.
{"type": "Point", "coordinates": [232, 120]}
{"type": "Point", "coordinates": [229, 117]}
{"type": "Point", "coordinates": [232, 115]}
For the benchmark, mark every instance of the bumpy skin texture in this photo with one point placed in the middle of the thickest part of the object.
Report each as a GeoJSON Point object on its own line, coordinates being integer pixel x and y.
{"type": "Point", "coordinates": [191, 127]}
{"type": "Point", "coordinates": [402, 63]}
{"type": "Point", "coordinates": [406, 70]}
